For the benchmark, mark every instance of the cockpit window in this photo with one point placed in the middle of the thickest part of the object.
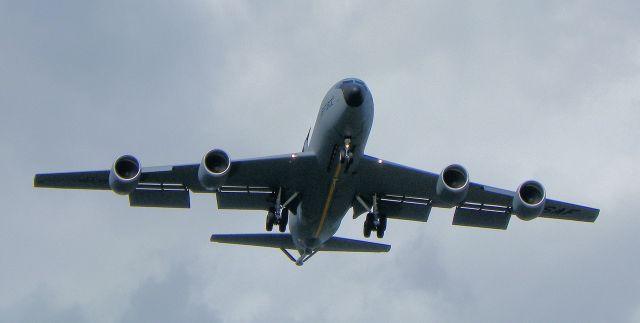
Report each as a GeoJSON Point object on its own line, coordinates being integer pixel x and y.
{"type": "Point", "coordinates": [351, 81]}
{"type": "Point", "coordinates": [362, 83]}
{"type": "Point", "coordinates": [347, 82]}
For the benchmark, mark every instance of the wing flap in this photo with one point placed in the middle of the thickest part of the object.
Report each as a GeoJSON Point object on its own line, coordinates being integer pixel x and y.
{"type": "Point", "coordinates": [481, 217]}
{"type": "Point", "coordinates": [245, 198]}
{"type": "Point", "coordinates": [405, 208]}
{"type": "Point", "coordinates": [160, 198]}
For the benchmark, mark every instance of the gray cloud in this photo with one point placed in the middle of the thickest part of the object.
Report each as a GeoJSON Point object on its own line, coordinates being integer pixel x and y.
{"type": "Point", "coordinates": [541, 90]}
{"type": "Point", "coordinates": [167, 300]}
{"type": "Point", "coordinates": [40, 307]}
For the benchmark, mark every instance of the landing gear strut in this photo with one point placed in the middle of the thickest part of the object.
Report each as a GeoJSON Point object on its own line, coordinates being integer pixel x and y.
{"type": "Point", "coordinates": [375, 221]}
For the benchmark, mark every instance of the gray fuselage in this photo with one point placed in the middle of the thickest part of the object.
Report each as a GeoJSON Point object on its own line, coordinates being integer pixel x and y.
{"type": "Point", "coordinates": [346, 112]}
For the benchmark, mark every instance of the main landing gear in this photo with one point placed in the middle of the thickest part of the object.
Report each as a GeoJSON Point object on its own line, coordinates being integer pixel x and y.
{"type": "Point", "coordinates": [279, 214]}
{"type": "Point", "coordinates": [375, 221]}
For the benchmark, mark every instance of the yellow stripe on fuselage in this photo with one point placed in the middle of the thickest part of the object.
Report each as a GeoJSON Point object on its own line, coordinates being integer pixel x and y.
{"type": "Point", "coordinates": [327, 203]}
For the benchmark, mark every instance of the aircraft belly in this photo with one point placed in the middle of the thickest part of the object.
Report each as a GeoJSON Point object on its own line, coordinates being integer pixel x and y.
{"type": "Point", "coordinates": [319, 215]}
{"type": "Point", "coordinates": [326, 200]}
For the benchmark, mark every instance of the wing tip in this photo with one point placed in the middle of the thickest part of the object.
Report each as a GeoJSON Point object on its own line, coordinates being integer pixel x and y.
{"type": "Point", "coordinates": [38, 180]}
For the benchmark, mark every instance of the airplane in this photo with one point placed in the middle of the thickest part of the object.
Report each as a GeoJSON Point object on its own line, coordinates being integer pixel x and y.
{"type": "Point", "coordinates": [312, 190]}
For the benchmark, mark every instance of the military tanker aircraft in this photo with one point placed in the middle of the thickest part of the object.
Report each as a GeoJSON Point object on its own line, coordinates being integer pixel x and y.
{"type": "Point", "coordinates": [312, 190]}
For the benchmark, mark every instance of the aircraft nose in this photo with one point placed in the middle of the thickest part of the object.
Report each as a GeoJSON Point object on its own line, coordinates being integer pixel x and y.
{"type": "Point", "coordinates": [353, 94]}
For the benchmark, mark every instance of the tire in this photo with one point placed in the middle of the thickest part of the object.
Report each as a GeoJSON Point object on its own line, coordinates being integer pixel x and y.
{"type": "Point", "coordinates": [285, 216]}
{"type": "Point", "coordinates": [342, 156]}
{"type": "Point", "coordinates": [369, 218]}
{"type": "Point", "coordinates": [271, 218]}
{"type": "Point", "coordinates": [383, 223]}
{"type": "Point", "coordinates": [366, 230]}
{"type": "Point", "coordinates": [368, 225]}
{"type": "Point", "coordinates": [382, 227]}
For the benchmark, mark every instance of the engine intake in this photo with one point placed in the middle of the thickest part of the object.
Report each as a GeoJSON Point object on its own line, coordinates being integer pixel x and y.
{"type": "Point", "coordinates": [453, 184]}
{"type": "Point", "coordinates": [214, 169]}
{"type": "Point", "coordinates": [529, 201]}
{"type": "Point", "coordinates": [124, 175]}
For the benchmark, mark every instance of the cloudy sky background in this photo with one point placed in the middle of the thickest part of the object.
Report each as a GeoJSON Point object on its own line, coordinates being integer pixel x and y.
{"type": "Point", "coordinates": [512, 90]}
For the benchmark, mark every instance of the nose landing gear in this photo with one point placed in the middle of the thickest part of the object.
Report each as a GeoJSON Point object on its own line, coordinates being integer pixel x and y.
{"type": "Point", "coordinates": [346, 154]}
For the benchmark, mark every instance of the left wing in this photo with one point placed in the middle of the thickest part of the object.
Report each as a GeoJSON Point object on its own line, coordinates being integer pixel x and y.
{"type": "Point", "coordinates": [168, 186]}
{"type": "Point", "coordinates": [411, 192]}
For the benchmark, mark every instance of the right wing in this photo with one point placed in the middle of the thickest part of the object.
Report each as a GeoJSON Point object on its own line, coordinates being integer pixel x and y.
{"type": "Point", "coordinates": [251, 182]}
{"type": "Point", "coordinates": [409, 193]}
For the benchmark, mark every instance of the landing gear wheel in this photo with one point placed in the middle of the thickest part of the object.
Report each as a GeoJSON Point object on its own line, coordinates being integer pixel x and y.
{"type": "Point", "coordinates": [367, 230]}
{"type": "Point", "coordinates": [271, 219]}
{"type": "Point", "coordinates": [383, 223]}
{"type": "Point", "coordinates": [368, 225]}
{"type": "Point", "coordinates": [382, 226]}
{"type": "Point", "coordinates": [284, 219]}
{"type": "Point", "coordinates": [343, 156]}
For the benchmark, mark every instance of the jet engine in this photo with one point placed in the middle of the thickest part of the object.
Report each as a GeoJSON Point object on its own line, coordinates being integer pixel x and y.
{"type": "Point", "coordinates": [453, 184]}
{"type": "Point", "coordinates": [124, 175]}
{"type": "Point", "coordinates": [529, 201]}
{"type": "Point", "coordinates": [214, 169]}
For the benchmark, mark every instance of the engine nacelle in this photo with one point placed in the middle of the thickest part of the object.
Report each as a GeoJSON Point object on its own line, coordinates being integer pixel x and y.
{"type": "Point", "coordinates": [214, 169]}
{"type": "Point", "coordinates": [124, 175]}
{"type": "Point", "coordinates": [529, 201]}
{"type": "Point", "coordinates": [453, 184]}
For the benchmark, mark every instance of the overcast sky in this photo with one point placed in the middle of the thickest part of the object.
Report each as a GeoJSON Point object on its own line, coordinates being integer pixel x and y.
{"type": "Point", "coordinates": [545, 90]}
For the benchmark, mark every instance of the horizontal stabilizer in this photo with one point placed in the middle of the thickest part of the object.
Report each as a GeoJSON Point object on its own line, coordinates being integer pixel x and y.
{"type": "Point", "coordinates": [350, 245]}
{"type": "Point", "coordinates": [285, 241]}
{"type": "Point", "coordinates": [258, 240]}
